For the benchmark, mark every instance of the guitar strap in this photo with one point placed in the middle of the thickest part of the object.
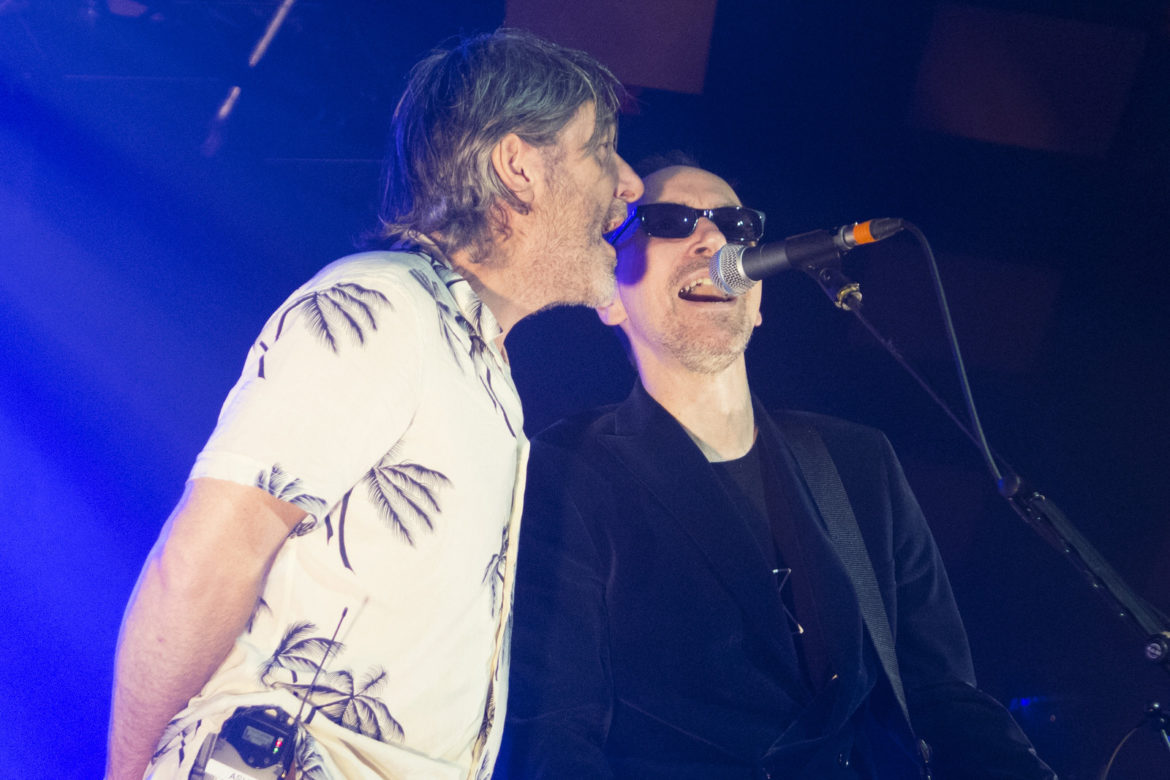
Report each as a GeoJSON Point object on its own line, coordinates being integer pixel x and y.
{"type": "Point", "coordinates": [820, 473]}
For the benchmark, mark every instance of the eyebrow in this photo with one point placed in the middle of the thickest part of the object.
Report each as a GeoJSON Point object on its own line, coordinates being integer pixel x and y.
{"type": "Point", "coordinates": [602, 134]}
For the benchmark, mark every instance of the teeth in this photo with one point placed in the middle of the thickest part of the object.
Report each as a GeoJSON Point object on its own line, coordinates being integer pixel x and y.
{"type": "Point", "coordinates": [703, 290]}
{"type": "Point", "coordinates": [694, 284]}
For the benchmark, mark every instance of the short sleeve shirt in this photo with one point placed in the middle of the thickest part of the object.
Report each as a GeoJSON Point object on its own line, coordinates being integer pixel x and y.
{"type": "Point", "coordinates": [376, 400]}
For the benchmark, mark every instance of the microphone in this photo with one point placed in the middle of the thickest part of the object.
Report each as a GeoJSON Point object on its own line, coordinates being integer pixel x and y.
{"type": "Point", "coordinates": [736, 268]}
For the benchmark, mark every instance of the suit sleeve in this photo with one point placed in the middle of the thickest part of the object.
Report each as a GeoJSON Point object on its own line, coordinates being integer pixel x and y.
{"type": "Point", "coordinates": [560, 699]}
{"type": "Point", "coordinates": [970, 733]}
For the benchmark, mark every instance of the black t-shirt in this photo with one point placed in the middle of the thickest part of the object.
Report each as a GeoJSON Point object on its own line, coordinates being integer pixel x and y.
{"type": "Point", "coordinates": [763, 508]}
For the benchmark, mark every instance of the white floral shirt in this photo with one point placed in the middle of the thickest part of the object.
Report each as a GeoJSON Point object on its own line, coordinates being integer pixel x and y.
{"type": "Point", "coordinates": [376, 400]}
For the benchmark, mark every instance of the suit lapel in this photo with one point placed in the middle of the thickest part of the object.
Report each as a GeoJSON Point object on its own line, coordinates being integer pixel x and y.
{"type": "Point", "coordinates": [656, 450]}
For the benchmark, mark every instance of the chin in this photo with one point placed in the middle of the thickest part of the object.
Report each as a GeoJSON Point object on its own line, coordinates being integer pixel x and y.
{"type": "Point", "coordinates": [706, 362]}
{"type": "Point", "coordinates": [599, 293]}
{"type": "Point", "coordinates": [605, 297]}
{"type": "Point", "coordinates": [586, 292]}
{"type": "Point", "coordinates": [704, 353]}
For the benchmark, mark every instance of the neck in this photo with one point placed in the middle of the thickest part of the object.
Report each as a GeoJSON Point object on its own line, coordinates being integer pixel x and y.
{"type": "Point", "coordinates": [496, 280]}
{"type": "Point", "coordinates": [495, 285]}
{"type": "Point", "coordinates": [714, 409]}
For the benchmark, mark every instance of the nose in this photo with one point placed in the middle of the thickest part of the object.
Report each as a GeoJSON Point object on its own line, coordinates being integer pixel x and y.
{"type": "Point", "coordinates": [709, 238]}
{"type": "Point", "coordinates": [629, 184]}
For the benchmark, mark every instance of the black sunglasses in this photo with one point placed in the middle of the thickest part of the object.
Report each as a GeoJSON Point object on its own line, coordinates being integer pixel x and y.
{"type": "Point", "coordinates": [739, 225]}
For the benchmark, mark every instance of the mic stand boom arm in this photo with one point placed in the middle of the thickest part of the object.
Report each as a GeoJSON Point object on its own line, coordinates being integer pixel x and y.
{"type": "Point", "coordinates": [1038, 511]}
{"type": "Point", "coordinates": [1047, 520]}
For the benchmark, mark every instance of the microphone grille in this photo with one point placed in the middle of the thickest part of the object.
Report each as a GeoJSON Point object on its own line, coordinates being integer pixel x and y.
{"type": "Point", "coordinates": [726, 270]}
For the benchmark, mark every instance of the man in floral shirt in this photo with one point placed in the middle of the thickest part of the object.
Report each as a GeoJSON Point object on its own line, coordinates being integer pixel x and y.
{"type": "Point", "coordinates": [345, 545]}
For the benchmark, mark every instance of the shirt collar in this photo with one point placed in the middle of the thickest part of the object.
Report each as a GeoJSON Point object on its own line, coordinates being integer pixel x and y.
{"type": "Point", "coordinates": [470, 305]}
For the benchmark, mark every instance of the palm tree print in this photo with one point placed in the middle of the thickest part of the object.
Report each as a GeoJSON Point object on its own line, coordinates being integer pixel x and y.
{"type": "Point", "coordinates": [348, 703]}
{"type": "Point", "coordinates": [486, 761]}
{"type": "Point", "coordinates": [260, 608]}
{"type": "Point", "coordinates": [483, 369]}
{"type": "Point", "coordinates": [279, 484]}
{"type": "Point", "coordinates": [493, 575]}
{"type": "Point", "coordinates": [176, 736]}
{"type": "Point", "coordinates": [310, 765]}
{"type": "Point", "coordinates": [299, 653]}
{"type": "Point", "coordinates": [485, 728]}
{"type": "Point", "coordinates": [448, 315]}
{"type": "Point", "coordinates": [405, 495]}
{"type": "Point", "coordinates": [341, 512]}
{"type": "Point", "coordinates": [450, 279]}
{"type": "Point", "coordinates": [452, 321]}
{"type": "Point", "coordinates": [355, 705]}
{"type": "Point", "coordinates": [485, 767]}
{"type": "Point", "coordinates": [343, 309]}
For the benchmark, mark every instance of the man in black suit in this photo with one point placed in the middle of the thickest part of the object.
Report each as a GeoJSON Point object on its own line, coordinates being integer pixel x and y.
{"type": "Point", "coordinates": [683, 610]}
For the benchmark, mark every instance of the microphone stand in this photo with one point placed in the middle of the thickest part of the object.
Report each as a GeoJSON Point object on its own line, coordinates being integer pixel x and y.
{"type": "Point", "coordinates": [1036, 509]}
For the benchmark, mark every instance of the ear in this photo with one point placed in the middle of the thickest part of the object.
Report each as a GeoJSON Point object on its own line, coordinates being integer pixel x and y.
{"type": "Point", "coordinates": [514, 161]}
{"type": "Point", "coordinates": [612, 313]}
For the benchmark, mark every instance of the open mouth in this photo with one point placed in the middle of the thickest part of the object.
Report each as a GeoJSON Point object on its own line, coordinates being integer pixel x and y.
{"type": "Point", "coordinates": [607, 235]}
{"type": "Point", "coordinates": [703, 290]}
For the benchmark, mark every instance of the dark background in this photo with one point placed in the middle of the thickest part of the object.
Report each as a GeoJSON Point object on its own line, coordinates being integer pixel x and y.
{"type": "Point", "coordinates": [142, 247]}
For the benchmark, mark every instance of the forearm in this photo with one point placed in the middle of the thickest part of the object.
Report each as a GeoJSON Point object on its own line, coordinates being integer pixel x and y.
{"type": "Point", "coordinates": [173, 639]}
{"type": "Point", "coordinates": [195, 596]}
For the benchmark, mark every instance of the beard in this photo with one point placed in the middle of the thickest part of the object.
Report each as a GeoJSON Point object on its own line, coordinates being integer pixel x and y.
{"type": "Point", "coordinates": [709, 344]}
{"type": "Point", "coordinates": [576, 265]}
{"type": "Point", "coordinates": [571, 273]}
{"type": "Point", "coordinates": [705, 341]}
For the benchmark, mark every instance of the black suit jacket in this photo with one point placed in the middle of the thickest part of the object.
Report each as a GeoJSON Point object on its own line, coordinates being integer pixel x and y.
{"type": "Point", "coordinates": [650, 639]}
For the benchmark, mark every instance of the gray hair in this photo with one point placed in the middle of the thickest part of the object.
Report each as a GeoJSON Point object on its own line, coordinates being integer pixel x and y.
{"type": "Point", "coordinates": [458, 104]}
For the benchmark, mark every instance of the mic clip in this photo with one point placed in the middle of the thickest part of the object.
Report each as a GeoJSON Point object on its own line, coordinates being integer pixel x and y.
{"type": "Point", "coordinates": [842, 291]}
